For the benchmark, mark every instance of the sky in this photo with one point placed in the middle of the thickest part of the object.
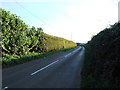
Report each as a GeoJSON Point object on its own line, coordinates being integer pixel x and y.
{"type": "Point", "coordinates": [76, 20]}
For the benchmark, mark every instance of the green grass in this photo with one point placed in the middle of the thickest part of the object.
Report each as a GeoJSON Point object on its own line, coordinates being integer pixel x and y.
{"type": "Point", "coordinates": [13, 60]}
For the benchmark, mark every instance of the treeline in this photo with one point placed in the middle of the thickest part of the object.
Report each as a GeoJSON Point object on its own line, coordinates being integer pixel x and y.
{"type": "Point", "coordinates": [80, 44]}
{"type": "Point", "coordinates": [19, 39]}
{"type": "Point", "coordinates": [102, 61]}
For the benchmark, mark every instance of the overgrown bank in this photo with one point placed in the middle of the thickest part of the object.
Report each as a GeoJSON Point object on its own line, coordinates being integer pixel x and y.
{"type": "Point", "coordinates": [102, 60]}
{"type": "Point", "coordinates": [12, 60]}
{"type": "Point", "coordinates": [19, 40]}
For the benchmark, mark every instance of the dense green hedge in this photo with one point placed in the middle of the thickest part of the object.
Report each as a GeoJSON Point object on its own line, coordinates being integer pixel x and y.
{"type": "Point", "coordinates": [19, 39]}
{"type": "Point", "coordinates": [51, 43]}
{"type": "Point", "coordinates": [102, 61]}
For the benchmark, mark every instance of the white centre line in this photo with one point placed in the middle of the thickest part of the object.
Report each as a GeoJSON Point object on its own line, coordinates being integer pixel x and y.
{"type": "Point", "coordinates": [4, 88]}
{"type": "Point", "coordinates": [68, 55]}
{"type": "Point", "coordinates": [52, 63]}
{"type": "Point", "coordinates": [44, 67]}
{"type": "Point", "coordinates": [72, 52]}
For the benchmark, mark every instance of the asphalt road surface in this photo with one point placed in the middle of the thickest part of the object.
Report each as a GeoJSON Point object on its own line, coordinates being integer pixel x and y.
{"type": "Point", "coordinates": [60, 70]}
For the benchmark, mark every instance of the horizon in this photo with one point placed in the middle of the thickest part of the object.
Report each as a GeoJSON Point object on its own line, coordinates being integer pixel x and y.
{"type": "Point", "coordinates": [67, 19]}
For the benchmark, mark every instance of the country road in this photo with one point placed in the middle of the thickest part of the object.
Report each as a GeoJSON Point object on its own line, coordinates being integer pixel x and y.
{"type": "Point", "coordinates": [60, 70]}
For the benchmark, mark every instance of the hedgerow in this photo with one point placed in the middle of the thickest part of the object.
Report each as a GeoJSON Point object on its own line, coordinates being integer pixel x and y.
{"type": "Point", "coordinates": [102, 59]}
{"type": "Point", "coordinates": [19, 39]}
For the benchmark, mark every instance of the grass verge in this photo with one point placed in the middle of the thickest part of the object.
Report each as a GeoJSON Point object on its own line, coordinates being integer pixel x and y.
{"type": "Point", "coordinates": [15, 59]}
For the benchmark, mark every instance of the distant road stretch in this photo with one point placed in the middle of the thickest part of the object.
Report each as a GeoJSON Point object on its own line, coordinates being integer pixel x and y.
{"type": "Point", "coordinates": [60, 70]}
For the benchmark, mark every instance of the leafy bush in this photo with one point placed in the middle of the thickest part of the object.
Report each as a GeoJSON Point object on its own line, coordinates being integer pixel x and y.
{"type": "Point", "coordinates": [19, 39]}
{"type": "Point", "coordinates": [102, 61]}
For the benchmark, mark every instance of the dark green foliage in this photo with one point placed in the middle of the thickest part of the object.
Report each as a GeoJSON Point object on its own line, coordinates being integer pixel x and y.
{"type": "Point", "coordinates": [18, 39]}
{"type": "Point", "coordinates": [80, 44]}
{"type": "Point", "coordinates": [102, 61]}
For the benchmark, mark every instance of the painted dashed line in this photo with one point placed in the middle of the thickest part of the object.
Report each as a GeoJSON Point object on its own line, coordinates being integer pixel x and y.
{"type": "Point", "coordinates": [71, 53]}
{"type": "Point", "coordinates": [51, 63]}
{"type": "Point", "coordinates": [44, 67]}
{"type": "Point", "coordinates": [48, 65]}
{"type": "Point", "coordinates": [68, 55]}
{"type": "Point", "coordinates": [4, 88]}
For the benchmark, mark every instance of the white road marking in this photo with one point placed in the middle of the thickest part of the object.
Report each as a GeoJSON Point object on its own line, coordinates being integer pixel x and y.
{"type": "Point", "coordinates": [4, 88]}
{"type": "Point", "coordinates": [72, 52]}
{"type": "Point", "coordinates": [53, 62]}
{"type": "Point", "coordinates": [68, 55]}
{"type": "Point", "coordinates": [44, 67]}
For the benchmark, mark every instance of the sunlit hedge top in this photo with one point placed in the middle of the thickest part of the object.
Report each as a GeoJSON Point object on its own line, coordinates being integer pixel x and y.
{"type": "Point", "coordinates": [18, 38]}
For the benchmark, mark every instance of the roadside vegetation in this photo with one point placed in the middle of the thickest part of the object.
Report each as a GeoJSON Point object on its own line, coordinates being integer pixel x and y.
{"type": "Point", "coordinates": [80, 44]}
{"type": "Point", "coordinates": [20, 43]}
{"type": "Point", "coordinates": [13, 60]}
{"type": "Point", "coordinates": [102, 60]}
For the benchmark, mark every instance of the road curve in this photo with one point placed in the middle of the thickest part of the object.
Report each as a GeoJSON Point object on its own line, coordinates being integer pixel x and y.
{"type": "Point", "coordinates": [60, 70]}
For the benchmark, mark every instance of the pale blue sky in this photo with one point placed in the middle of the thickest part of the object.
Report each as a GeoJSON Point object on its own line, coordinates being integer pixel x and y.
{"type": "Point", "coordinates": [80, 18]}
{"type": "Point", "coordinates": [47, 11]}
